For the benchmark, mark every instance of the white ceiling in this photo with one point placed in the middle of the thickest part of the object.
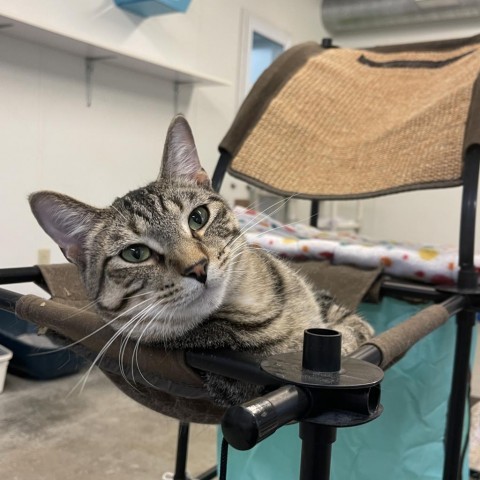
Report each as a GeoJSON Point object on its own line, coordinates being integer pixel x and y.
{"type": "Point", "coordinates": [355, 15]}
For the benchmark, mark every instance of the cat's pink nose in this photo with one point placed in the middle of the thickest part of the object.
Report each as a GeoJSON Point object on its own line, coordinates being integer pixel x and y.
{"type": "Point", "coordinates": [197, 271]}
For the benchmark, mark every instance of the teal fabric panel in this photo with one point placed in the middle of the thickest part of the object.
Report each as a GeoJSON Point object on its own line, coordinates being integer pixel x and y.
{"type": "Point", "coordinates": [405, 443]}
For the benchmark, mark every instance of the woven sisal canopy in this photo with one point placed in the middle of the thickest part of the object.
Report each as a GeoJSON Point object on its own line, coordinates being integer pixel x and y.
{"type": "Point", "coordinates": [345, 123]}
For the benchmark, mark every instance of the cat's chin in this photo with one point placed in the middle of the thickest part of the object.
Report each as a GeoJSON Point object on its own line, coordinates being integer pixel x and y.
{"type": "Point", "coordinates": [184, 316]}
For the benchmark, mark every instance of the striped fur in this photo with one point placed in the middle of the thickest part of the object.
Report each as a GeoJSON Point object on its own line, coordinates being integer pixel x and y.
{"type": "Point", "coordinates": [250, 301]}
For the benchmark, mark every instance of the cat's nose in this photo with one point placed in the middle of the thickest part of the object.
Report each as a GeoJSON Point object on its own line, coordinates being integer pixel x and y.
{"type": "Point", "coordinates": [198, 271]}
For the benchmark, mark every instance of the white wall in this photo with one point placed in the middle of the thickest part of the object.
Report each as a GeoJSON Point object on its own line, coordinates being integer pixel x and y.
{"type": "Point", "coordinates": [51, 140]}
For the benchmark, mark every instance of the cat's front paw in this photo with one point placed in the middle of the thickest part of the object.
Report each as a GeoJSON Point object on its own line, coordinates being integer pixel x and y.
{"type": "Point", "coordinates": [354, 334]}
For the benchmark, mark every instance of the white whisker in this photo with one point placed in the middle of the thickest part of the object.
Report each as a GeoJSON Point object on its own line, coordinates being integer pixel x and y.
{"type": "Point", "coordinates": [84, 378]}
{"type": "Point", "coordinates": [264, 215]}
{"type": "Point", "coordinates": [65, 347]}
{"type": "Point", "coordinates": [137, 344]}
{"type": "Point", "coordinates": [258, 219]}
{"type": "Point", "coordinates": [301, 220]}
{"type": "Point", "coordinates": [125, 340]}
{"type": "Point", "coordinates": [120, 213]}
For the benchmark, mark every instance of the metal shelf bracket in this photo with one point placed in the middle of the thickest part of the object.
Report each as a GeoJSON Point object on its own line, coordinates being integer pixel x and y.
{"type": "Point", "coordinates": [90, 63]}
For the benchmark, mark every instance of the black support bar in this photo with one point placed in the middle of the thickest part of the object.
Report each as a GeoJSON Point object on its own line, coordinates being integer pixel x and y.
{"type": "Point", "coordinates": [467, 282]}
{"type": "Point", "coordinates": [241, 366]}
{"type": "Point", "coordinates": [182, 452]}
{"type": "Point", "coordinates": [458, 397]}
{"type": "Point", "coordinates": [468, 277]}
{"type": "Point", "coordinates": [314, 211]}
{"type": "Point", "coordinates": [220, 170]}
{"type": "Point", "coordinates": [422, 291]}
{"type": "Point", "coordinates": [20, 275]}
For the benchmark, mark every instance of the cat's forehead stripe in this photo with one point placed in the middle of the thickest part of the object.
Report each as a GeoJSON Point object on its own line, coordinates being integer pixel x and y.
{"type": "Point", "coordinates": [142, 213]}
{"type": "Point", "coordinates": [178, 203]}
{"type": "Point", "coordinates": [161, 203]}
{"type": "Point", "coordinates": [164, 198]}
{"type": "Point", "coordinates": [215, 198]}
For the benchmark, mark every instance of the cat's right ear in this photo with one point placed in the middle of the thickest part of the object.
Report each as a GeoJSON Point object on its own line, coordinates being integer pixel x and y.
{"type": "Point", "coordinates": [66, 220]}
{"type": "Point", "coordinates": [180, 159]}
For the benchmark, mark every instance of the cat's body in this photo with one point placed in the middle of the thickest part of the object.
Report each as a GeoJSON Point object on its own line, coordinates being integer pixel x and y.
{"type": "Point", "coordinates": [168, 264]}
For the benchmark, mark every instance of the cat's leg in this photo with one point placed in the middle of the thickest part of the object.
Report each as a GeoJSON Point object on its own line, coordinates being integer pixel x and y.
{"type": "Point", "coordinates": [354, 329]}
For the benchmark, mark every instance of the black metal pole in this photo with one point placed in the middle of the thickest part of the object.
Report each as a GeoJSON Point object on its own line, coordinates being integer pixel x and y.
{"type": "Point", "coordinates": [392, 286]}
{"type": "Point", "coordinates": [314, 211]}
{"type": "Point", "coordinates": [317, 443]}
{"type": "Point", "coordinates": [209, 474]}
{"type": "Point", "coordinates": [220, 170]}
{"type": "Point", "coordinates": [182, 450]}
{"type": "Point", "coordinates": [468, 276]}
{"type": "Point", "coordinates": [467, 281]}
{"type": "Point", "coordinates": [458, 396]}
{"type": "Point", "coordinates": [321, 353]}
{"type": "Point", "coordinates": [20, 275]}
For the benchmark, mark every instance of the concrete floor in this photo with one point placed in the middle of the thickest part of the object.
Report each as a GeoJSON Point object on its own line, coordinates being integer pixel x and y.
{"type": "Point", "coordinates": [47, 434]}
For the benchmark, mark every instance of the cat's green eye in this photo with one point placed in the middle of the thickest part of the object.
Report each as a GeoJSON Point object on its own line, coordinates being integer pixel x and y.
{"type": "Point", "coordinates": [136, 253]}
{"type": "Point", "coordinates": [198, 218]}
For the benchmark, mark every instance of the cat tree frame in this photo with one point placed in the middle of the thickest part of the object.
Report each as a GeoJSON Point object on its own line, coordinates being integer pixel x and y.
{"type": "Point", "coordinates": [264, 416]}
{"type": "Point", "coordinates": [302, 398]}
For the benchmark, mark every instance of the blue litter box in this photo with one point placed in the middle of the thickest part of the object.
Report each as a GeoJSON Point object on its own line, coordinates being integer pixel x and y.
{"type": "Point", "coordinates": [35, 356]}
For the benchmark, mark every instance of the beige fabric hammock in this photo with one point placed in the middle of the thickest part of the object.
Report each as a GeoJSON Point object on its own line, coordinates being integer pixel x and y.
{"type": "Point", "coordinates": [172, 387]}
{"type": "Point", "coordinates": [359, 123]}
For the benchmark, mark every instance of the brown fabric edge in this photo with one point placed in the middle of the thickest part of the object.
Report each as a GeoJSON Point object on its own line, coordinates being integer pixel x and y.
{"type": "Point", "coordinates": [354, 196]}
{"type": "Point", "coordinates": [348, 284]}
{"type": "Point", "coordinates": [472, 127]}
{"type": "Point", "coordinates": [265, 89]}
{"type": "Point", "coordinates": [64, 284]}
{"type": "Point", "coordinates": [57, 317]}
{"type": "Point", "coordinates": [180, 394]}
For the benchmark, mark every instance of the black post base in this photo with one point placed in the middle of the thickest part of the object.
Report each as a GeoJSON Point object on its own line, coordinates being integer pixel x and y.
{"type": "Point", "coordinates": [317, 443]}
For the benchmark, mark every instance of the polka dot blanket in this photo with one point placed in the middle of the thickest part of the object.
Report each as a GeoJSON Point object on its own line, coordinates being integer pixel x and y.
{"type": "Point", "coordinates": [430, 264]}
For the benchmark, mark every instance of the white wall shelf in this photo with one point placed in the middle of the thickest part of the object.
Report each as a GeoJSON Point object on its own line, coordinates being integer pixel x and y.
{"type": "Point", "coordinates": [15, 28]}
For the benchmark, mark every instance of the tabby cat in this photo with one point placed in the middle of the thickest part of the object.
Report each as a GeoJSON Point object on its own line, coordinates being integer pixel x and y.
{"type": "Point", "coordinates": [168, 264]}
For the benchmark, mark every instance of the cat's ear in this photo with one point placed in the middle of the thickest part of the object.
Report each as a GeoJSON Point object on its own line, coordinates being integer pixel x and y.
{"type": "Point", "coordinates": [180, 158]}
{"type": "Point", "coordinates": [66, 220]}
